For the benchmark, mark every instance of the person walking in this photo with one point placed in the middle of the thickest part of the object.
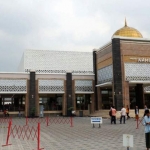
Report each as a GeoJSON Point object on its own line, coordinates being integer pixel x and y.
{"type": "Point", "coordinates": [147, 128]}
{"type": "Point", "coordinates": [127, 111]}
{"type": "Point", "coordinates": [123, 115]}
{"type": "Point", "coordinates": [136, 113]}
{"type": "Point", "coordinates": [113, 115]}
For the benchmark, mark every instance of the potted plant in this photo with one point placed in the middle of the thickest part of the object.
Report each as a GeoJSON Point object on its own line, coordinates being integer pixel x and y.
{"type": "Point", "coordinates": [32, 112]}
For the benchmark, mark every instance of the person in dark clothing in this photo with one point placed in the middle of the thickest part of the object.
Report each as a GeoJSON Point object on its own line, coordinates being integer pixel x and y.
{"type": "Point", "coordinates": [127, 112]}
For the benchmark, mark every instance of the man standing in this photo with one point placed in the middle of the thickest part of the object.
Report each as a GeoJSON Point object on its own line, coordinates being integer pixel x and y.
{"type": "Point", "coordinates": [113, 116]}
{"type": "Point", "coordinates": [136, 113]}
{"type": "Point", "coordinates": [123, 115]}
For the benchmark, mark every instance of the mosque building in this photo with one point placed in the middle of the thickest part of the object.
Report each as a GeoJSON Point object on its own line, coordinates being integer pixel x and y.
{"type": "Point", "coordinates": [122, 70]}
{"type": "Point", "coordinates": [54, 82]}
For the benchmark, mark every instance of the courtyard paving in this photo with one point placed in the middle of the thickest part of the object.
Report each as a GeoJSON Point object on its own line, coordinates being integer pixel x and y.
{"type": "Point", "coordinates": [82, 136]}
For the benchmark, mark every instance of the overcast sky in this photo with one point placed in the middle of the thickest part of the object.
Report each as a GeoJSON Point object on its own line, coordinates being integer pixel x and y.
{"type": "Point", "coordinates": [71, 25]}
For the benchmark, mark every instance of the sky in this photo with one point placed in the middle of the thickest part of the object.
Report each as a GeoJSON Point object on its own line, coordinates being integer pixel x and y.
{"type": "Point", "coordinates": [67, 25]}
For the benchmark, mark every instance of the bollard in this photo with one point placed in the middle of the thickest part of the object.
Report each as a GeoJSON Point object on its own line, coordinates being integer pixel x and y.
{"type": "Point", "coordinates": [47, 120]}
{"type": "Point", "coordinates": [71, 122]}
{"type": "Point", "coordinates": [127, 148]}
{"type": "Point", "coordinates": [38, 139]}
{"type": "Point", "coordinates": [8, 134]}
{"type": "Point", "coordinates": [26, 121]}
{"type": "Point", "coordinates": [137, 123]}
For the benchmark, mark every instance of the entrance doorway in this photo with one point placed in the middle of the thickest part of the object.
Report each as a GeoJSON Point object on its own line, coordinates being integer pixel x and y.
{"type": "Point", "coordinates": [147, 100]}
{"type": "Point", "coordinates": [107, 100]}
{"type": "Point", "coordinates": [51, 102]}
{"type": "Point", "coordinates": [82, 101]}
{"type": "Point", "coordinates": [132, 97]}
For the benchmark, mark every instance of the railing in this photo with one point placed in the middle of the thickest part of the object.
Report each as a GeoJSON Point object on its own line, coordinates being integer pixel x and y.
{"type": "Point", "coordinates": [138, 122]}
{"type": "Point", "coordinates": [23, 132]}
{"type": "Point", "coordinates": [51, 120]}
{"type": "Point", "coordinates": [4, 122]}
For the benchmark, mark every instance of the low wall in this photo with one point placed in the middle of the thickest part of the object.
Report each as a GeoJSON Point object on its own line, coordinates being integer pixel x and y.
{"type": "Point", "coordinates": [46, 113]}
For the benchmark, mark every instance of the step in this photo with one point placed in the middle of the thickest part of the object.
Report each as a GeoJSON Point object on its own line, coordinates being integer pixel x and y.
{"type": "Point", "coordinates": [105, 113]}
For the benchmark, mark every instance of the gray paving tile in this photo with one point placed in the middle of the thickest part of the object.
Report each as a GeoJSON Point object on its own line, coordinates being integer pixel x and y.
{"type": "Point", "coordinates": [80, 137]}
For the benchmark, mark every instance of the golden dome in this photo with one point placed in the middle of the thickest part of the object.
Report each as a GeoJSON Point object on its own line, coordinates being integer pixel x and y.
{"type": "Point", "coordinates": [128, 32]}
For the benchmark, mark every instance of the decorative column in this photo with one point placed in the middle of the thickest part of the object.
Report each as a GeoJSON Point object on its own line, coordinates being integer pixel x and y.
{"type": "Point", "coordinates": [73, 94]}
{"type": "Point", "coordinates": [69, 90]}
{"type": "Point", "coordinates": [126, 94]}
{"type": "Point", "coordinates": [32, 102]}
{"type": "Point", "coordinates": [95, 72]}
{"type": "Point", "coordinates": [27, 100]}
{"type": "Point", "coordinates": [117, 73]}
{"type": "Point", "coordinates": [99, 98]}
{"type": "Point", "coordinates": [64, 104]}
{"type": "Point", "coordinates": [37, 98]}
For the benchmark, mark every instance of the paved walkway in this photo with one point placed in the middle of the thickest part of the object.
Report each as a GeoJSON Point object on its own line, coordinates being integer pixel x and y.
{"type": "Point", "coordinates": [80, 137]}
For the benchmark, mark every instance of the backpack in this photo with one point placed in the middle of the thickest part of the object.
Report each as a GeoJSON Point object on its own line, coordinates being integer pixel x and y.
{"type": "Point", "coordinates": [110, 113]}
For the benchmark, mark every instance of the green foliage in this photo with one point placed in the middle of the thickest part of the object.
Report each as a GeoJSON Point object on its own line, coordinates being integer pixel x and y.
{"type": "Point", "coordinates": [32, 111]}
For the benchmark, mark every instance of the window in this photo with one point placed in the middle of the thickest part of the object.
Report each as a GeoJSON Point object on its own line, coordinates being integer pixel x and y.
{"type": "Point", "coordinates": [51, 102]}
{"type": "Point", "coordinates": [14, 103]}
{"type": "Point", "coordinates": [82, 101]}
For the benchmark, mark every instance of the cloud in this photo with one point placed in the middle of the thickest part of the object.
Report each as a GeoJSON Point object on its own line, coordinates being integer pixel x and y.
{"type": "Point", "coordinates": [80, 25]}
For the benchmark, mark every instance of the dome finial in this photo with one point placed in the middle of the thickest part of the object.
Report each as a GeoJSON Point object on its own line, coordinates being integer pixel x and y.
{"type": "Point", "coordinates": [125, 22]}
{"type": "Point", "coordinates": [127, 31]}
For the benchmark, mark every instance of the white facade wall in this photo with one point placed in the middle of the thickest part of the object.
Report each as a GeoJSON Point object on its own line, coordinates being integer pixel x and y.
{"type": "Point", "coordinates": [46, 61]}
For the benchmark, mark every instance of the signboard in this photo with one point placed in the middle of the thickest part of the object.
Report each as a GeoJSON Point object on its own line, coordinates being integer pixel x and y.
{"type": "Point", "coordinates": [127, 140]}
{"type": "Point", "coordinates": [141, 60]}
{"type": "Point", "coordinates": [96, 120]}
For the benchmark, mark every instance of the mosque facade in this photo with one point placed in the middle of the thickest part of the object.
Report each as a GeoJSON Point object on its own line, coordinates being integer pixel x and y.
{"type": "Point", "coordinates": [54, 82]}
{"type": "Point", "coordinates": [123, 70]}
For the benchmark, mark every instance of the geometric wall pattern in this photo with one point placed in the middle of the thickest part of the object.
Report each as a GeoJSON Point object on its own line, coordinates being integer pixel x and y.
{"type": "Point", "coordinates": [46, 61]}
{"type": "Point", "coordinates": [147, 89]}
{"type": "Point", "coordinates": [105, 74]}
{"type": "Point", "coordinates": [137, 71]}
{"type": "Point", "coordinates": [83, 85]}
{"type": "Point", "coordinates": [13, 86]}
{"type": "Point", "coordinates": [48, 86]}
